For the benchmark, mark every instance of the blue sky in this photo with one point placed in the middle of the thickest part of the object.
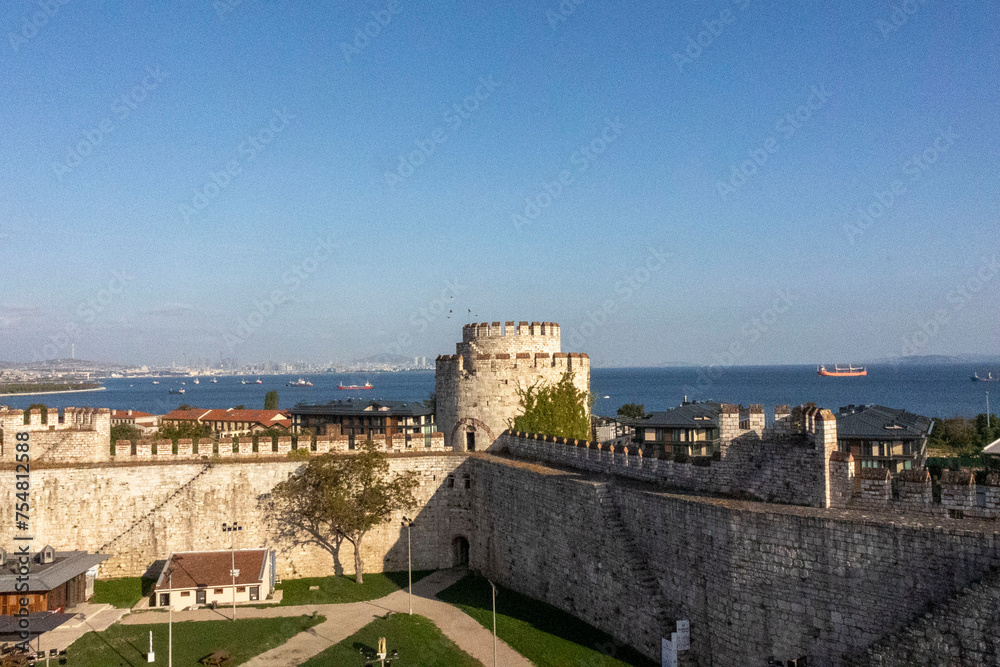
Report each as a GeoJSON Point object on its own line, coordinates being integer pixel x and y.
{"type": "Point", "coordinates": [200, 180]}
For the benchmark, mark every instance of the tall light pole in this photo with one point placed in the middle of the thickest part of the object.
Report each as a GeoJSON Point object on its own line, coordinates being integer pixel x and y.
{"type": "Point", "coordinates": [493, 586]}
{"type": "Point", "coordinates": [170, 621]}
{"type": "Point", "coordinates": [409, 562]}
{"type": "Point", "coordinates": [234, 572]}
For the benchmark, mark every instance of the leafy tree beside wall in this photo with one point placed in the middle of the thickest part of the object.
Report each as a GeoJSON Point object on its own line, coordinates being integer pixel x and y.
{"type": "Point", "coordinates": [632, 410]}
{"type": "Point", "coordinates": [555, 409]}
{"type": "Point", "coordinates": [336, 498]}
{"type": "Point", "coordinates": [271, 400]}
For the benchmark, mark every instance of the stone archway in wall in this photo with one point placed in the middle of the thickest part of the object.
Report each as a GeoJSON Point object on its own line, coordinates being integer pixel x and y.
{"type": "Point", "coordinates": [471, 435]}
{"type": "Point", "coordinates": [460, 551]}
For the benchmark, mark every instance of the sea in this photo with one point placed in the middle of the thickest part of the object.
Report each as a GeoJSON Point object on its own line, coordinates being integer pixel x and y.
{"type": "Point", "coordinates": [933, 390]}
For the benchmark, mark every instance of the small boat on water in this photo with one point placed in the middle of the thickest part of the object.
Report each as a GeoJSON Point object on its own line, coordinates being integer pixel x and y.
{"type": "Point", "coordinates": [156, 382]}
{"type": "Point", "coordinates": [196, 381]}
{"type": "Point", "coordinates": [258, 381]}
{"type": "Point", "coordinates": [243, 381]}
{"type": "Point", "coordinates": [840, 372]}
{"type": "Point", "coordinates": [300, 383]}
{"type": "Point", "coordinates": [366, 385]}
{"type": "Point", "coordinates": [989, 378]}
{"type": "Point", "coordinates": [214, 381]}
{"type": "Point", "coordinates": [176, 391]}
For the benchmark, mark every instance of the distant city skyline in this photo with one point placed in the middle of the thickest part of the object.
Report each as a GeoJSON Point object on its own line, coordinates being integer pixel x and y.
{"type": "Point", "coordinates": [733, 184]}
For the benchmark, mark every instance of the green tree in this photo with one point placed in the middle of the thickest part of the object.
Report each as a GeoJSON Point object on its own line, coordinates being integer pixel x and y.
{"type": "Point", "coordinates": [271, 400]}
{"type": "Point", "coordinates": [125, 432]}
{"type": "Point", "coordinates": [240, 407]}
{"type": "Point", "coordinates": [335, 498]}
{"type": "Point", "coordinates": [431, 402]}
{"type": "Point", "coordinates": [633, 410]}
{"type": "Point", "coordinates": [554, 409]}
{"type": "Point", "coordinates": [185, 430]}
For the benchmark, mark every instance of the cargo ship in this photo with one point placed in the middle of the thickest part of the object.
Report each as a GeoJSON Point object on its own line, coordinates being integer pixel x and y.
{"type": "Point", "coordinates": [300, 383]}
{"type": "Point", "coordinates": [366, 385]}
{"type": "Point", "coordinates": [989, 378]}
{"type": "Point", "coordinates": [839, 372]}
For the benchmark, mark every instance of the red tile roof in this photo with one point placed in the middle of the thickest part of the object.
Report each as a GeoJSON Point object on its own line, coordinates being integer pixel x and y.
{"type": "Point", "coordinates": [192, 569]}
{"type": "Point", "coordinates": [262, 417]}
{"type": "Point", "coordinates": [123, 414]}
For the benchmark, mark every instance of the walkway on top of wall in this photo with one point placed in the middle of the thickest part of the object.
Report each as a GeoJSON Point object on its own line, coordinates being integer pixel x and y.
{"type": "Point", "coordinates": [879, 517]}
{"type": "Point", "coordinates": [343, 620]}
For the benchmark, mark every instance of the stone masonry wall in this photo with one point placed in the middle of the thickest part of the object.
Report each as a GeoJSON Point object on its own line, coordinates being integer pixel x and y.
{"type": "Point", "coordinates": [754, 579]}
{"type": "Point", "coordinates": [140, 513]}
{"type": "Point", "coordinates": [963, 631]}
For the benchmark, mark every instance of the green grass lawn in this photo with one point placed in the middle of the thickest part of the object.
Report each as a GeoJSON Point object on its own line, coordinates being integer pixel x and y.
{"type": "Point", "coordinates": [127, 644]}
{"type": "Point", "coordinates": [123, 593]}
{"type": "Point", "coordinates": [540, 632]}
{"type": "Point", "coordinates": [333, 590]}
{"type": "Point", "coordinates": [417, 639]}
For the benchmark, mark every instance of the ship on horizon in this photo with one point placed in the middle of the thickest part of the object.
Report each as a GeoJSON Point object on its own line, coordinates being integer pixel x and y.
{"type": "Point", "coordinates": [366, 385]}
{"type": "Point", "coordinates": [839, 371]}
{"type": "Point", "coordinates": [989, 378]}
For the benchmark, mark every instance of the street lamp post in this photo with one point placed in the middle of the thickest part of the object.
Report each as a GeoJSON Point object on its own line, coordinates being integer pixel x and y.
{"type": "Point", "coordinates": [170, 621]}
{"type": "Point", "coordinates": [409, 562]}
{"type": "Point", "coordinates": [493, 586]}
{"type": "Point", "coordinates": [234, 572]}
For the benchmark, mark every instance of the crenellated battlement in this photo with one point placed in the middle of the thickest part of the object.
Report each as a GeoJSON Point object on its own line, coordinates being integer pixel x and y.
{"type": "Point", "coordinates": [251, 448]}
{"type": "Point", "coordinates": [476, 331]}
{"type": "Point", "coordinates": [75, 434]}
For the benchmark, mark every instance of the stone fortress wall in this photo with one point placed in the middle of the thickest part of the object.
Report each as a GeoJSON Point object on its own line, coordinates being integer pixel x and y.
{"type": "Point", "coordinates": [477, 388]}
{"type": "Point", "coordinates": [139, 514]}
{"type": "Point", "coordinates": [754, 579]}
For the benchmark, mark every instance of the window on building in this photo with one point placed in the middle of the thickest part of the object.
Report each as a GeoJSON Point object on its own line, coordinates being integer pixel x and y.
{"type": "Point", "coordinates": [164, 599]}
{"type": "Point", "coordinates": [451, 482]}
{"type": "Point", "coordinates": [185, 594]}
{"type": "Point", "coordinates": [468, 482]}
{"type": "Point", "coordinates": [217, 591]}
{"type": "Point", "coordinates": [255, 592]}
{"type": "Point", "coordinates": [241, 589]}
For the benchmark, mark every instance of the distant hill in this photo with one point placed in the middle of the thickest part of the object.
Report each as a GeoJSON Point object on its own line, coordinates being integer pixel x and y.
{"type": "Point", "coordinates": [915, 359]}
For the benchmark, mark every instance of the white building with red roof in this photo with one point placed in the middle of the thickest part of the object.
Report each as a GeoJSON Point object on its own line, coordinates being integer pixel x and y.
{"type": "Point", "coordinates": [231, 421]}
{"type": "Point", "coordinates": [146, 422]}
{"type": "Point", "coordinates": [193, 579]}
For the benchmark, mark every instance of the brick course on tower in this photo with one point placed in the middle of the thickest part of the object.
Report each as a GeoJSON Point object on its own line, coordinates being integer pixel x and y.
{"type": "Point", "coordinates": [477, 388]}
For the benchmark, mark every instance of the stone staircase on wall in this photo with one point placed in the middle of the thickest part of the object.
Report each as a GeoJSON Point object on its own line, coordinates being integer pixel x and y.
{"type": "Point", "coordinates": [145, 517]}
{"type": "Point", "coordinates": [612, 517]}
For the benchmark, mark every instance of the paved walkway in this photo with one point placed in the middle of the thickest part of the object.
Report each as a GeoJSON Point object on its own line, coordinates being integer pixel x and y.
{"type": "Point", "coordinates": [89, 618]}
{"type": "Point", "coordinates": [343, 620]}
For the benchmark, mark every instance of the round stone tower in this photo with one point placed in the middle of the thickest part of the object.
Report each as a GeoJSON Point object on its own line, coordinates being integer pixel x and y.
{"type": "Point", "coordinates": [477, 387]}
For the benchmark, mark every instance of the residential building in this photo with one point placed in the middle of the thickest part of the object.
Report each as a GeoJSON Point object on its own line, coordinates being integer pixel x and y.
{"type": "Point", "coordinates": [691, 429]}
{"type": "Point", "coordinates": [361, 419]}
{"type": "Point", "coordinates": [881, 437]}
{"type": "Point", "coordinates": [144, 421]}
{"type": "Point", "coordinates": [59, 580]}
{"type": "Point", "coordinates": [192, 579]}
{"type": "Point", "coordinates": [231, 421]}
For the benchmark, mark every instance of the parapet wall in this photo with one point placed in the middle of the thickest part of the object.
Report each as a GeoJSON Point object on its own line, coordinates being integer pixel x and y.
{"type": "Point", "coordinates": [76, 435]}
{"type": "Point", "coordinates": [248, 447]}
{"type": "Point", "coordinates": [789, 472]}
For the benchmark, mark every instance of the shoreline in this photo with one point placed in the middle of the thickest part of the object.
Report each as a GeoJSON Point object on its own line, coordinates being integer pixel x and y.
{"type": "Point", "coordinates": [58, 391]}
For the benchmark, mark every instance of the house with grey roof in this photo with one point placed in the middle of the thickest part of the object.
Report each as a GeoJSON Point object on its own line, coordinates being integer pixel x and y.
{"type": "Point", "coordinates": [881, 437]}
{"type": "Point", "coordinates": [691, 429]}
{"type": "Point", "coordinates": [359, 420]}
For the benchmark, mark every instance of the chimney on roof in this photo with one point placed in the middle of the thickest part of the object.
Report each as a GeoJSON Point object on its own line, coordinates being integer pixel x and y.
{"type": "Point", "coordinates": [129, 413]}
